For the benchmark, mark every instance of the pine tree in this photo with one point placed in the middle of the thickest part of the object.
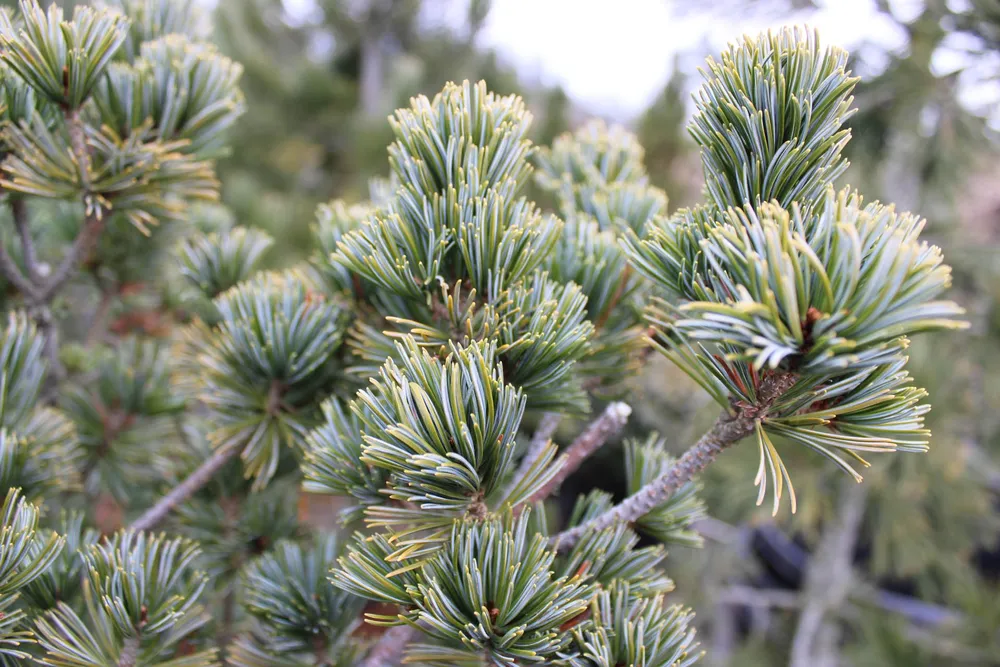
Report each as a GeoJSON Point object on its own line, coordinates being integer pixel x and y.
{"type": "Point", "coordinates": [401, 366]}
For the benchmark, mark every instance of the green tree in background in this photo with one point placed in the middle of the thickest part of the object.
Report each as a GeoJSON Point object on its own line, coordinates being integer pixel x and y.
{"type": "Point", "coordinates": [662, 132]}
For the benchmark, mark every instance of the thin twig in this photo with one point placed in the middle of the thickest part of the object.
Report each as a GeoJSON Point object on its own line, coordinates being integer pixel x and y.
{"type": "Point", "coordinates": [93, 225]}
{"type": "Point", "coordinates": [616, 297]}
{"type": "Point", "coordinates": [185, 489]}
{"type": "Point", "coordinates": [547, 427]}
{"type": "Point", "coordinates": [389, 649]}
{"type": "Point", "coordinates": [609, 424]}
{"type": "Point", "coordinates": [94, 213]}
{"type": "Point", "coordinates": [828, 578]}
{"type": "Point", "coordinates": [37, 291]}
{"type": "Point", "coordinates": [727, 431]}
{"type": "Point", "coordinates": [19, 211]}
{"type": "Point", "coordinates": [748, 596]}
{"type": "Point", "coordinates": [12, 273]}
{"type": "Point", "coordinates": [130, 652]}
{"type": "Point", "coordinates": [917, 612]}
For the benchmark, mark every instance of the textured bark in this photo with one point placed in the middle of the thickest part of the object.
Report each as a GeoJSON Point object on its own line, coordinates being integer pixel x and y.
{"type": "Point", "coordinates": [185, 489]}
{"type": "Point", "coordinates": [84, 242]}
{"type": "Point", "coordinates": [130, 653]}
{"type": "Point", "coordinates": [727, 431]}
{"type": "Point", "coordinates": [605, 427]}
{"type": "Point", "coordinates": [388, 652]}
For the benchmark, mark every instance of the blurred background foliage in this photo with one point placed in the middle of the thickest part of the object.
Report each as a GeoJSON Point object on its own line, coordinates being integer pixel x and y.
{"type": "Point", "coordinates": [925, 545]}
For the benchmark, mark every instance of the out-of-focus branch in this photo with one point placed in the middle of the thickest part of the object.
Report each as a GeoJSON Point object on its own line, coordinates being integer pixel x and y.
{"type": "Point", "coordinates": [547, 427]}
{"type": "Point", "coordinates": [19, 211]}
{"type": "Point", "coordinates": [828, 580]}
{"type": "Point", "coordinates": [185, 489]}
{"type": "Point", "coordinates": [389, 650]}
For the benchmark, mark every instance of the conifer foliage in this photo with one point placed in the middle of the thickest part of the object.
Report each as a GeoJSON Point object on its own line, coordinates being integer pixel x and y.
{"type": "Point", "coordinates": [416, 366]}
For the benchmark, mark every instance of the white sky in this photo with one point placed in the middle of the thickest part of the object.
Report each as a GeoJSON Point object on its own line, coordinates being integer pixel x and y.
{"type": "Point", "coordinates": [614, 56]}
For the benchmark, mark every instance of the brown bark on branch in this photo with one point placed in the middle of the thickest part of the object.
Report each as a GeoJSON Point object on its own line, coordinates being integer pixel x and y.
{"type": "Point", "coordinates": [547, 427]}
{"type": "Point", "coordinates": [37, 290]}
{"type": "Point", "coordinates": [187, 488]}
{"type": "Point", "coordinates": [93, 225]}
{"type": "Point", "coordinates": [389, 650]}
{"type": "Point", "coordinates": [130, 653]}
{"type": "Point", "coordinates": [728, 429]}
{"type": "Point", "coordinates": [602, 429]}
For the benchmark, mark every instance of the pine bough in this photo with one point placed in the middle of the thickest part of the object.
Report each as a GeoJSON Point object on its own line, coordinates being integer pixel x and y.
{"type": "Point", "coordinates": [400, 366]}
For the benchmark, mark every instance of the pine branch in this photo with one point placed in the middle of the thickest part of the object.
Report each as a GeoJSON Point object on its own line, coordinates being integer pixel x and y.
{"type": "Point", "coordinates": [185, 489]}
{"type": "Point", "coordinates": [829, 576]}
{"type": "Point", "coordinates": [78, 145]}
{"type": "Point", "coordinates": [547, 427]}
{"type": "Point", "coordinates": [20, 213]}
{"type": "Point", "coordinates": [130, 653]}
{"type": "Point", "coordinates": [727, 431]}
{"type": "Point", "coordinates": [93, 225]}
{"type": "Point", "coordinates": [916, 611]}
{"type": "Point", "coordinates": [609, 424]}
{"type": "Point", "coordinates": [748, 596]}
{"type": "Point", "coordinates": [10, 271]}
{"type": "Point", "coordinates": [389, 649]}
{"type": "Point", "coordinates": [35, 290]}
